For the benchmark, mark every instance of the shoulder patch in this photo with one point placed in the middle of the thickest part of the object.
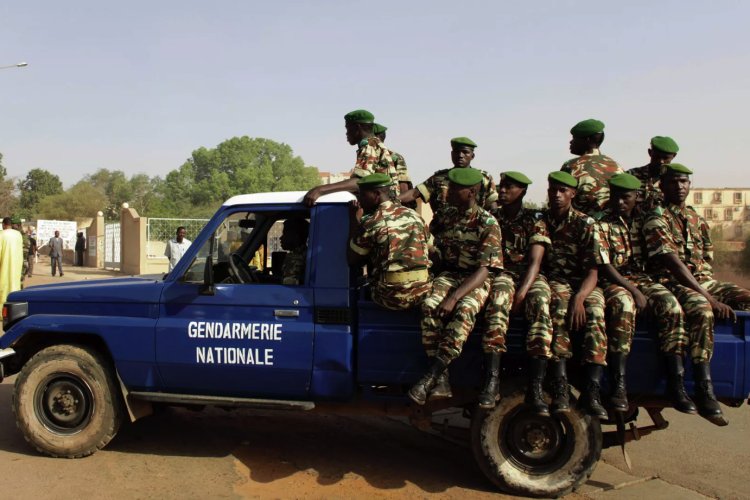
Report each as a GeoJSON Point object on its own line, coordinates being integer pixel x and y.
{"type": "Point", "coordinates": [363, 143]}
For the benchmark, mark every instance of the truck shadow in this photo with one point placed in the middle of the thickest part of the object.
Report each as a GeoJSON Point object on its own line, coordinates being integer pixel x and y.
{"type": "Point", "coordinates": [314, 449]}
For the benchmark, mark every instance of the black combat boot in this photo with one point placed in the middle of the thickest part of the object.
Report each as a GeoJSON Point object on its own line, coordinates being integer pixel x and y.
{"type": "Point", "coordinates": [619, 397]}
{"type": "Point", "coordinates": [591, 400]}
{"type": "Point", "coordinates": [708, 406]}
{"type": "Point", "coordinates": [534, 393]}
{"type": "Point", "coordinates": [676, 385]}
{"type": "Point", "coordinates": [490, 394]}
{"type": "Point", "coordinates": [559, 386]}
{"type": "Point", "coordinates": [442, 388]}
{"type": "Point", "coordinates": [421, 390]}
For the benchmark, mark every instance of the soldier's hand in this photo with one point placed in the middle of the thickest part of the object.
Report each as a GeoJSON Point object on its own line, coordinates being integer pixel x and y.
{"type": "Point", "coordinates": [447, 306]}
{"type": "Point", "coordinates": [355, 211]}
{"type": "Point", "coordinates": [723, 311]}
{"type": "Point", "coordinates": [576, 315]}
{"type": "Point", "coordinates": [641, 302]}
{"type": "Point", "coordinates": [517, 307]}
{"type": "Point", "coordinates": [311, 197]}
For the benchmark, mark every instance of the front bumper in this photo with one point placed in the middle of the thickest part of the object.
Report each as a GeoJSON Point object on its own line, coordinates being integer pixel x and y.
{"type": "Point", "coordinates": [5, 353]}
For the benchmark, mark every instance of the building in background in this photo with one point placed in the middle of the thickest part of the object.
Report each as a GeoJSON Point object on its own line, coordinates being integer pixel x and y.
{"type": "Point", "coordinates": [727, 211]}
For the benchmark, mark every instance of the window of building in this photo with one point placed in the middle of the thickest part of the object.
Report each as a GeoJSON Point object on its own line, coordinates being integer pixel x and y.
{"type": "Point", "coordinates": [697, 198]}
{"type": "Point", "coordinates": [717, 197]}
{"type": "Point", "coordinates": [737, 198]}
{"type": "Point", "coordinates": [728, 213]}
{"type": "Point", "coordinates": [738, 232]}
{"type": "Point", "coordinates": [709, 213]}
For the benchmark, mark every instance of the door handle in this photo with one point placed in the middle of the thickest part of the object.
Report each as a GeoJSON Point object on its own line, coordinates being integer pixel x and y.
{"type": "Point", "coordinates": [286, 313]}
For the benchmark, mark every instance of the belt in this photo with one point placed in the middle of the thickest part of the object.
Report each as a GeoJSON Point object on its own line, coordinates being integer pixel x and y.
{"type": "Point", "coordinates": [395, 277]}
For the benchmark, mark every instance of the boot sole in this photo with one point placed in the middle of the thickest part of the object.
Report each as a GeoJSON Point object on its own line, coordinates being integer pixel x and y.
{"type": "Point", "coordinates": [486, 406]}
{"type": "Point", "coordinates": [440, 396]}
{"type": "Point", "coordinates": [719, 420]}
{"type": "Point", "coordinates": [420, 403]}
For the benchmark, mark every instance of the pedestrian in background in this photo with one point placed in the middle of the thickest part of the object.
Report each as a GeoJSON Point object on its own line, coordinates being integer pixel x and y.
{"type": "Point", "coordinates": [31, 256]}
{"type": "Point", "coordinates": [11, 260]}
{"type": "Point", "coordinates": [177, 247]}
{"type": "Point", "coordinates": [56, 252]}
{"type": "Point", "coordinates": [80, 248]}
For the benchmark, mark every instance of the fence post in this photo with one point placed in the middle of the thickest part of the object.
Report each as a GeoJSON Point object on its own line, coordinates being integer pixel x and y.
{"type": "Point", "coordinates": [95, 242]}
{"type": "Point", "coordinates": [132, 241]}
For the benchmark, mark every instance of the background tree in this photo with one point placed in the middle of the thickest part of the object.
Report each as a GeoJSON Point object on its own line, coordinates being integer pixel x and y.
{"type": "Point", "coordinates": [140, 191]}
{"type": "Point", "coordinates": [37, 185]}
{"type": "Point", "coordinates": [8, 199]}
{"type": "Point", "coordinates": [81, 200]}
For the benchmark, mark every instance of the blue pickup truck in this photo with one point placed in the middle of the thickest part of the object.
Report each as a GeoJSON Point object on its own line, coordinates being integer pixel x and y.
{"type": "Point", "coordinates": [218, 331]}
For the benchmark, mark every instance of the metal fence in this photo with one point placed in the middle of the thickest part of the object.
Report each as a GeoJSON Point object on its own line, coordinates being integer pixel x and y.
{"type": "Point", "coordinates": [112, 245]}
{"type": "Point", "coordinates": [159, 231]}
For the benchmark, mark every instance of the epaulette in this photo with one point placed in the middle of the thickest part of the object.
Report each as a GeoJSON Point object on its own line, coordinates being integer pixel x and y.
{"type": "Point", "coordinates": [364, 142]}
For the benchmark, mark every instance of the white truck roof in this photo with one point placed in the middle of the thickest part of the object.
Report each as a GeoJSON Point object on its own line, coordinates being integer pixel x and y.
{"type": "Point", "coordinates": [285, 197]}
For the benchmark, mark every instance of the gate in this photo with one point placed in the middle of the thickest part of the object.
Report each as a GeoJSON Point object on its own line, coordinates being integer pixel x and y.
{"type": "Point", "coordinates": [112, 245]}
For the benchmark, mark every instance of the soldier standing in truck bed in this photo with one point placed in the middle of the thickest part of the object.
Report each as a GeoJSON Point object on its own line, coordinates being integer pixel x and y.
{"type": "Point", "coordinates": [402, 171]}
{"type": "Point", "coordinates": [592, 169]}
{"type": "Point", "coordinates": [470, 247]}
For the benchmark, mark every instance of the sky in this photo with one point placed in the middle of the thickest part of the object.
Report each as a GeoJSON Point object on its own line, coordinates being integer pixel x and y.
{"type": "Point", "coordinates": [138, 85]}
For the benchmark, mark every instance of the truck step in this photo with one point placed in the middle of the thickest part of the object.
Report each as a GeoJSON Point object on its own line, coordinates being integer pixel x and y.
{"type": "Point", "coordinates": [195, 399]}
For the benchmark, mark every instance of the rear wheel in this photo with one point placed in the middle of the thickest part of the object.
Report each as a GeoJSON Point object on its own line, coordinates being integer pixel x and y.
{"type": "Point", "coordinates": [525, 454]}
{"type": "Point", "coordinates": [66, 402]}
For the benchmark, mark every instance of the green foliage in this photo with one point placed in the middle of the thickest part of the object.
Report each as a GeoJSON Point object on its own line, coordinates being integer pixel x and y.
{"type": "Point", "coordinates": [37, 185]}
{"type": "Point", "coordinates": [8, 200]}
{"type": "Point", "coordinates": [3, 172]}
{"type": "Point", "coordinates": [81, 200]}
{"type": "Point", "coordinates": [139, 191]}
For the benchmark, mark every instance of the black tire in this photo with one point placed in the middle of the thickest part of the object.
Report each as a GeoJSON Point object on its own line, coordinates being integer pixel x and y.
{"type": "Point", "coordinates": [66, 402]}
{"type": "Point", "coordinates": [525, 454]}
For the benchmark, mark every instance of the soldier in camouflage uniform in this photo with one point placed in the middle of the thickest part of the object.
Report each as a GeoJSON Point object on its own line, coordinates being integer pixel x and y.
{"type": "Point", "coordinates": [294, 241]}
{"type": "Point", "coordinates": [662, 151]}
{"type": "Point", "coordinates": [372, 157]}
{"type": "Point", "coordinates": [469, 245]}
{"type": "Point", "coordinates": [520, 288]}
{"type": "Point", "coordinates": [627, 289]}
{"type": "Point", "coordinates": [393, 239]}
{"type": "Point", "coordinates": [576, 302]}
{"type": "Point", "coordinates": [402, 172]}
{"type": "Point", "coordinates": [680, 252]}
{"type": "Point", "coordinates": [591, 168]}
{"type": "Point", "coordinates": [16, 224]}
{"type": "Point", "coordinates": [435, 189]}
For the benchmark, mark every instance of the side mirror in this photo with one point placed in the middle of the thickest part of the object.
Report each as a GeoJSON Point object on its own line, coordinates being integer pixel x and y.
{"type": "Point", "coordinates": [208, 277]}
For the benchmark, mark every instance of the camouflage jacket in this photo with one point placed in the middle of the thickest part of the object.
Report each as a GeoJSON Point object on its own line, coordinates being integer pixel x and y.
{"type": "Point", "coordinates": [293, 270]}
{"type": "Point", "coordinates": [435, 190]}
{"type": "Point", "coordinates": [651, 195]}
{"type": "Point", "coordinates": [519, 233]}
{"type": "Point", "coordinates": [26, 244]}
{"type": "Point", "coordinates": [402, 172]}
{"type": "Point", "coordinates": [620, 242]}
{"type": "Point", "coordinates": [394, 237]}
{"type": "Point", "coordinates": [373, 157]}
{"type": "Point", "coordinates": [683, 232]}
{"type": "Point", "coordinates": [571, 253]}
{"type": "Point", "coordinates": [468, 240]}
{"type": "Point", "coordinates": [592, 171]}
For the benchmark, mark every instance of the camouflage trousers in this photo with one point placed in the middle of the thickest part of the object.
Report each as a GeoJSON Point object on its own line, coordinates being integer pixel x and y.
{"type": "Point", "coordinates": [24, 268]}
{"type": "Point", "coordinates": [619, 316]}
{"type": "Point", "coordinates": [699, 316]}
{"type": "Point", "coordinates": [399, 297]}
{"type": "Point", "coordinates": [594, 336]}
{"type": "Point", "coordinates": [667, 314]}
{"type": "Point", "coordinates": [445, 337]}
{"type": "Point", "coordinates": [536, 312]}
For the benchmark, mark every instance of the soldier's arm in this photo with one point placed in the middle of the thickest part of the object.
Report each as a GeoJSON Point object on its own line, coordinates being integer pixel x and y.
{"type": "Point", "coordinates": [410, 195]}
{"type": "Point", "coordinates": [684, 277]}
{"type": "Point", "coordinates": [312, 195]}
{"type": "Point", "coordinates": [473, 281]}
{"type": "Point", "coordinates": [536, 255]}
{"type": "Point", "coordinates": [577, 311]}
{"type": "Point", "coordinates": [613, 276]}
{"type": "Point", "coordinates": [356, 252]}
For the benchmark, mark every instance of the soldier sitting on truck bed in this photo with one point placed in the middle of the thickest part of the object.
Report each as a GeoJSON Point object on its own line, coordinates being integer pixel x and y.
{"type": "Point", "coordinates": [628, 289]}
{"type": "Point", "coordinates": [680, 252]}
{"type": "Point", "coordinates": [577, 303]}
{"type": "Point", "coordinates": [469, 244]}
{"type": "Point", "coordinates": [372, 157]}
{"type": "Point", "coordinates": [393, 239]}
{"type": "Point", "coordinates": [525, 238]}
{"type": "Point", "coordinates": [435, 189]}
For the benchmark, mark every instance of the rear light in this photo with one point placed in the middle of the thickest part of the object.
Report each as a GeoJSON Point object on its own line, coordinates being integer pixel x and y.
{"type": "Point", "coordinates": [13, 312]}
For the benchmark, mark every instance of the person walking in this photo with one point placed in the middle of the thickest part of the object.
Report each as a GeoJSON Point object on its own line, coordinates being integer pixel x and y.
{"type": "Point", "coordinates": [80, 249]}
{"type": "Point", "coordinates": [56, 252]}
{"type": "Point", "coordinates": [11, 260]}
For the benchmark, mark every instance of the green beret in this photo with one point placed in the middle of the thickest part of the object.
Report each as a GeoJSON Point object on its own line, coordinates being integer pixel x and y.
{"type": "Point", "coordinates": [587, 128]}
{"type": "Point", "coordinates": [465, 176]}
{"type": "Point", "coordinates": [515, 177]}
{"type": "Point", "coordinates": [664, 144]}
{"type": "Point", "coordinates": [563, 178]}
{"type": "Point", "coordinates": [676, 169]}
{"type": "Point", "coordinates": [625, 182]}
{"type": "Point", "coordinates": [15, 220]}
{"type": "Point", "coordinates": [374, 181]}
{"type": "Point", "coordinates": [378, 128]}
{"type": "Point", "coordinates": [359, 116]}
{"type": "Point", "coordinates": [463, 141]}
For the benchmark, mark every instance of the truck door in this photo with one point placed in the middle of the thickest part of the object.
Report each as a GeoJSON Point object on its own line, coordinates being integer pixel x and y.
{"type": "Point", "coordinates": [252, 336]}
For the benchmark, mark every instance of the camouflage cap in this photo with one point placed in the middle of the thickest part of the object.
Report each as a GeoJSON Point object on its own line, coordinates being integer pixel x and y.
{"type": "Point", "coordinates": [676, 169]}
{"type": "Point", "coordinates": [587, 128]}
{"type": "Point", "coordinates": [625, 182]}
{"type": "Point", "coordinates": [378, 128]}
{"type": "Point", "coordinates": [515, 177]}
{"type": "Point", "coordinates": [563, 178]}
{"type": "Point", "coordinates": [465, 176]}
{"type": "Point", "coordinates": [374, 181]}
{"type": "Point", "coordinates": [462, 141]}
{"type": "Point", "coordinates": [664, 144]}
{"type": "Point", "coordinates": [359, 116]}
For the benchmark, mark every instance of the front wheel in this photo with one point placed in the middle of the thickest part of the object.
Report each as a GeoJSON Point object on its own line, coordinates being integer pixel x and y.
{"type": "Point", "coordinates": [525, 454]}
{"type": "Point", "coordinates": [65, 401]}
